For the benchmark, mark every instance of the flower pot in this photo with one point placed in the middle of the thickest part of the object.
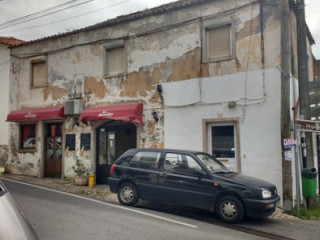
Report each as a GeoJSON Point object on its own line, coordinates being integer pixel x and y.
{"type": "Point", "coordinates": [80, 181]}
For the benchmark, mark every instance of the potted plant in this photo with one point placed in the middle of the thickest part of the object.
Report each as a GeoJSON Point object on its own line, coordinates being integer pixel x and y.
{"type": "Point", "coordinates": [81, 172]}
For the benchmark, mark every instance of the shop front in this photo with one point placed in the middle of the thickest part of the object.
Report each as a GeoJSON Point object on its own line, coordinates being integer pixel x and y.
{"type": "Point", "coordinates": [37, 145]}
{"type": "Point", "coordinates": [115, 130]}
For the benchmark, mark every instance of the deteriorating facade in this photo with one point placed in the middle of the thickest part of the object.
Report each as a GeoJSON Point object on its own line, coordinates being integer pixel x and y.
{"type": "Point", "coordinates": [201, 75]}
{"type": "Point", "coordinates": [5, 43]}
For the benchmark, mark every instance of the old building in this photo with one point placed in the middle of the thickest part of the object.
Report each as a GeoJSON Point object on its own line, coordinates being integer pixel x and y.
{"type": "Point", "coordinates": [193, 74]}
{"type": "Point", "coordinates": [5, 43]}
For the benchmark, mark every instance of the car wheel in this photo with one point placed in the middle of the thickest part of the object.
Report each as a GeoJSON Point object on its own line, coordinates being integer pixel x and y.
{"type": "Point", "coordinates": [230, 209]}
{"type": "Point", "coordinates": [128, 194]}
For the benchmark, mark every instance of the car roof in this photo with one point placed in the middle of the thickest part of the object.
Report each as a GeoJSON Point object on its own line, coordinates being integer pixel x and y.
{"type": "Point", "coordinates": [167, 150]}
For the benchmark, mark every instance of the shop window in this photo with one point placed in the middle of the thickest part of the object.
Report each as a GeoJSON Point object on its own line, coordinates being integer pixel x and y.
{"type": "Point", "coordinates": [85, 141]}
{"type": "Point", "coordinates": [218, 40]}
{"type": "Point", "coordinates": [115, 61]}
{"type": "Point", "coordinates": [28, 137]}
{"type": "Point", "coordinates": [38, 72]}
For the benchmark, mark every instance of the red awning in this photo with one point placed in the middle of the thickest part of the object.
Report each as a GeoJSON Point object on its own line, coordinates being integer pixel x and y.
{"type": "Point", "coordinates": [36, 114]}
{"type": "Point", "coordinates": [124, 112]}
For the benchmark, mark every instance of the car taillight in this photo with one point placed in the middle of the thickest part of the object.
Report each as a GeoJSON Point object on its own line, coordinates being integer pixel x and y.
{"type": "Point", "coordinates": [112, 168]}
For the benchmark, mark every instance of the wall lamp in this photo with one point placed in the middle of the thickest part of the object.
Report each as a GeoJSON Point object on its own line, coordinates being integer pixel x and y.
{"type": "Point", "coordinates": [155, 116]}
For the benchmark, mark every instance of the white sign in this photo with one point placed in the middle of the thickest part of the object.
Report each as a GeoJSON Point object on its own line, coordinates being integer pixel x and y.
{"type": "Point", "coordinates": [289, 142]}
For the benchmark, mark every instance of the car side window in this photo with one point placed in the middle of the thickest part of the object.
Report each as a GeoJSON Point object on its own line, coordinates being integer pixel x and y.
{"type": "Point", "coordinates": [146, 160]}
{"type": "Point", "coordinates": [180, 164]}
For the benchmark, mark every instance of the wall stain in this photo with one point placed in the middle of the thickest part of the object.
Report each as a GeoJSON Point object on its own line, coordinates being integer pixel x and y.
{"type": "Point", "coordinates": [95, 87]}
{"type": "Point", "coordinates": [186, 67]}
{"type": "Point", "coordinates": [56, 92]}
{"type": "Point", "coordinates": [250, 27]}
{"type": "Point", "coordinates": [78, 56]}
{"type": "Point", "coordinates": [145, 80]}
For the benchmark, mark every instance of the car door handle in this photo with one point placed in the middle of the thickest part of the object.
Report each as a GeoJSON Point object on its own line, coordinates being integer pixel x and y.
{"type": "Point", "coordinates": [163, 174]}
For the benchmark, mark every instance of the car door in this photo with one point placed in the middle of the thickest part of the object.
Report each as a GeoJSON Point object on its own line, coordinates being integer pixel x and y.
{"type": "Point", "coordinates": [181, 183]}
{"type": "Point", "coordinates": [143, 170]}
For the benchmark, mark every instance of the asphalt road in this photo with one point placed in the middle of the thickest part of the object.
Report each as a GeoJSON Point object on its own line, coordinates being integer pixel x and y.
{"type": "Point", "coordinates": [56, 215]}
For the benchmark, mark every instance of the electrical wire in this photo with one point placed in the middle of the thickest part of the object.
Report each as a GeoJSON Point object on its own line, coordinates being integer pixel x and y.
{"type": "Point", "coordinates": [65, 19]}
{"type": "Point", "coordinates": [42, 13]}
{"type": "Point", "coordinates": [34, 14]}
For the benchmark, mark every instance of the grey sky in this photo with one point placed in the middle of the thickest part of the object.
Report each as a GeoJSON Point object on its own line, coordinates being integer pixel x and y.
{"type": "Point", "coordinates": [101, 11]}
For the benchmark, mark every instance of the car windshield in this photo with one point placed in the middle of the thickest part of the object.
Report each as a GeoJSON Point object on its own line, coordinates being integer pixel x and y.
{"type": "Point", "coordinates": [212, 163]}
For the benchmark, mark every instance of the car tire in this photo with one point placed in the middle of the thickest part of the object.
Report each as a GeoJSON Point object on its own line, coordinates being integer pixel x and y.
{"type": "Point", "coordinates": [230, 209]}
{"type": "Point", "coordinates": [128, 194]}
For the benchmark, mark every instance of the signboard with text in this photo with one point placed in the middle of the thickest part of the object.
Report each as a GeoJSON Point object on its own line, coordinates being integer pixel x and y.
{"type": "Point", "coordinates": [289, 142]}
{"type": "Point", "coordinates": [308, 125]}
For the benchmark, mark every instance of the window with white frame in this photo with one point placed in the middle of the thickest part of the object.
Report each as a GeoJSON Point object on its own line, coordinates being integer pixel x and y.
{"type": "Point", "coordinates": [218, 41]}
{"type": "Point", "coordinates": [38, 72]}
{"type": "Point", "coordinates": [115, 60]}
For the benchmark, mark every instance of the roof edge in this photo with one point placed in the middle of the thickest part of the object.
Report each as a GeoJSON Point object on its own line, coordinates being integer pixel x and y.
{"type": "Point", "coordinates": [125, 18]}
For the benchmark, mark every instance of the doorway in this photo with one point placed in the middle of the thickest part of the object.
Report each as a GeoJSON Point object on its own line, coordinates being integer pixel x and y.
{"type": "Point", "coordinates": [53, 150]}
{"type": "Point", "coordinates": [113, 139]}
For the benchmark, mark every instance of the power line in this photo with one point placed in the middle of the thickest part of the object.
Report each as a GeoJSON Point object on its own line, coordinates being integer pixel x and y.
{"type": "Point", "coordinates": [61, 20]}
{"type": "Point", "coordinates": [43, 13]}
{"type": "Point", "coordinates": [34, 14]}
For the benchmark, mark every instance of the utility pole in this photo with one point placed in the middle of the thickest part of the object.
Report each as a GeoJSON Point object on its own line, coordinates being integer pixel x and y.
{"type": "Point", "coordinates": [285, 101]}
{"type": "Point", "coordinates": [304, 78]}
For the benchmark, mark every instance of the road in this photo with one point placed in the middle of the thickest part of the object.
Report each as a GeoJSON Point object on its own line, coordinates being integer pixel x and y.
{"type": "Point", "coordinates": [56, 215]}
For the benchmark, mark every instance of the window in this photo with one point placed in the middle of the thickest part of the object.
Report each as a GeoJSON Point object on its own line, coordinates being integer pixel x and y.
{"type": "Point", "coordinates": [223, 141]}
{"type": "Point", "coordinates": [146, 160]}
{"type": "Point", "coordinates": [180, 163]}
{"type": "Point", "coordinates": [28, 137]}
{"type": "Point", "coordinates": [218, 41]}
{"type": "Point", "coordinates": [85, 141]}
{"type": "Point", "coordinates": [71, 142]}
{"type": "Point", "coordinates": [38, 72]}
{"type": "Point", "coordinates": [115, 61]}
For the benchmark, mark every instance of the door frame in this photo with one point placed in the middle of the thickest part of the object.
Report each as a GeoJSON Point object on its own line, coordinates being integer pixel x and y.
{"type": "Point", "coordinates": [111, 124]}
{"type": "Point", "coordinates": [223, 121]}
{"type": "Point", "coordinates": [43, 148]}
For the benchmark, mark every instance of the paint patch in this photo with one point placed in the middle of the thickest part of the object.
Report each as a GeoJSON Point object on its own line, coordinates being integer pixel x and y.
{"type": "Point", "coordinates": [56, 93]}
{"type": "Point", "coordinates": [95, 87]}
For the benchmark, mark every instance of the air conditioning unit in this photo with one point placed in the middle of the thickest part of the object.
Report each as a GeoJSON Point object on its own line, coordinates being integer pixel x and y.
{"type": "Point", "coordinates": [73, 107]}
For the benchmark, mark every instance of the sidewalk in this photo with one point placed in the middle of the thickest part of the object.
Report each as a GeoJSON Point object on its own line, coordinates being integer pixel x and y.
{"type": "Point", "coordinates": [278, 223]}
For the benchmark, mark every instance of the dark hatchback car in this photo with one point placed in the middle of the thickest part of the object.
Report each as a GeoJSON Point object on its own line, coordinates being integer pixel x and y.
{"type": "Point", "coordinates": [192, 179]}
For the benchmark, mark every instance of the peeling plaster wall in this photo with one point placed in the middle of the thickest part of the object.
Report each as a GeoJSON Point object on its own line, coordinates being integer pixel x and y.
{"type": "Point", "coordinates": [85, 156]}
{"type": "Point", "coordinates": [26, 163]}
{"type": "Point", "coordinates": [3, 154]}
{"type": "Point", "coordinates": [160, 49]}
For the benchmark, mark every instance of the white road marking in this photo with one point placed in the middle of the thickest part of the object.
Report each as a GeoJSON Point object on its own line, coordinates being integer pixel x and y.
{"type": "Point", "coordinates": [108, 204]}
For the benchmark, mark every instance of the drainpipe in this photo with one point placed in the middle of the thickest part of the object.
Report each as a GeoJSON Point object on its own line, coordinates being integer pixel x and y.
{"type": "Point", "coordinates": [304, 78]}
{"type": "Point", "coordinates": [285, 102]}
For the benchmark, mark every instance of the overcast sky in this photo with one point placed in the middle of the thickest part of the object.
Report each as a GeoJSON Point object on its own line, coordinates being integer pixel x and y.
{"type": "Point", "coordinates": [101, 10]}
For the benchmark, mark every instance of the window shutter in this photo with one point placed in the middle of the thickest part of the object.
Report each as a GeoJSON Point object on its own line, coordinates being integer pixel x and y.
{"type": "Point", "coordinates": [39, 76]}
{"type": "Point", "coordinates": [218, 40]}
{"type": "Point", "coordinates": [115, 60]}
